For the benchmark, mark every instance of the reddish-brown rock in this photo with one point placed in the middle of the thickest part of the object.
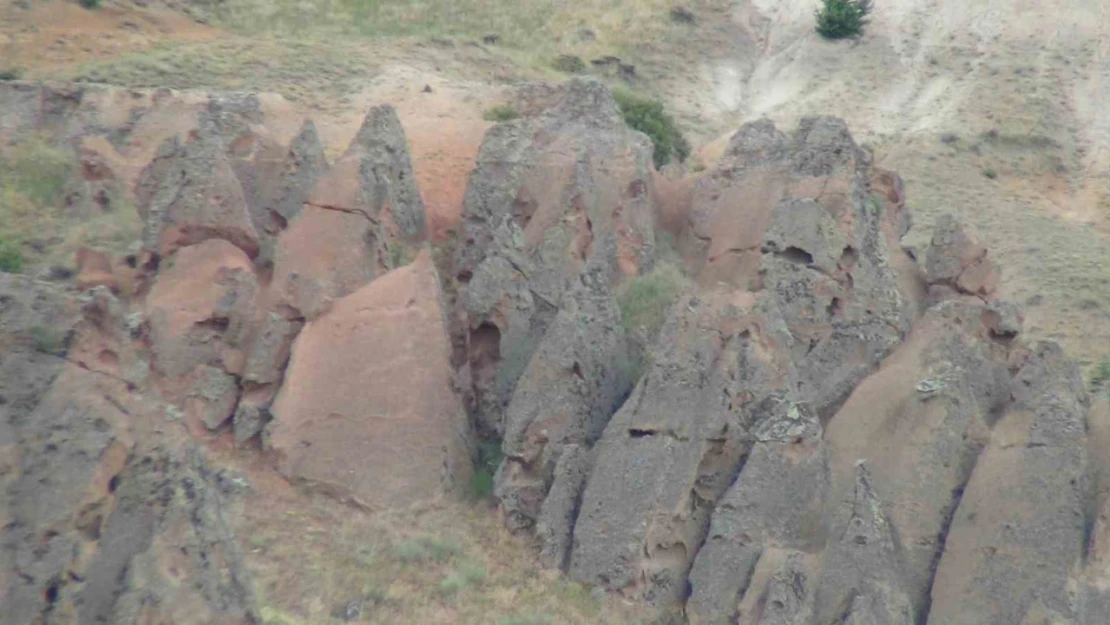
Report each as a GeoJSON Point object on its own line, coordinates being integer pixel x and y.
{"type": "Point", "coordinates": [367, 410]}
{"type": "Point", "coordinates": [94, 268]}
{"type": "Point", "coordinates": [198, 305]}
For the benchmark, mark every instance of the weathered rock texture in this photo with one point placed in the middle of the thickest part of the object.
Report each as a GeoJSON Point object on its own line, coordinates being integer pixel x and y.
{"type": "Point", "coordinates": [827, 432]}
{"type": "Point", "coordinates": [828, 429]}
{"type": "Point", "coordinates": [103, 515]}
{"type": "Point", "coordinates": [252, 244]}
{"type": "Point", "coordinates": [568, 185]}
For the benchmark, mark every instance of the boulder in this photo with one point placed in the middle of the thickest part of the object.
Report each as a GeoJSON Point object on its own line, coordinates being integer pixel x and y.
{"type": "Point", "coordinates": [957, 260]}
{"type": "Point", "coordinates": [921, 422]}
{"type": "Point", "coordinates": [555, 524]}
{"type": "Point", "coordinates": [862, 580]}
{"type": "Point", "coordinates": [94, 268]}
{"type": "Point", "coordinates": [286, 182]}
{"type": "Point", "coordinates": [212, 396]}
{"type": "Point", "coordinates": [795, 215]}
{"type": "Point", "coordinates": [781, 591]}
{"type": "Point", "coordinates": [364, 215]}
{"type": "Point", "coordinates": [379, 431]}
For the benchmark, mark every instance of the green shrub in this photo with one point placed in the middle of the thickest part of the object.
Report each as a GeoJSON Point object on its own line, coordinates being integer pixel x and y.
{"type": "Point", "coordinates": [466, 574]}
{"type": "Point", "coordinates": [11, 257]}
{"type": "Point", "coordinates": [650, 118]}
{"type": "Point", "coordinates": [840, 19]}
{"type": "Point", "coordinates": [569, 64]}
{"type": "Point", "coordinates": [1100, 379]}
{"type": "Point", "coordinates": [426, 548]}
{"type": "Point", "coordinates": [500, 113]}
{"type": "Point", "coordinates": [990, 172]}
{"type": "Point", "coordinates": [48, 341]}
{"type": "Point", "coordinates": [489, 458]}
{"type": "Point", "coordinates": [10, 73]}
{"type": "Point", "coordinates": [90, 4]}
{"type": "Point", "coordinates": [644, 301]}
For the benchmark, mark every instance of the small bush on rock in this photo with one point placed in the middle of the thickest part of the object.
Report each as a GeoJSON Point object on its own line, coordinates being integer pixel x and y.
{"type": "Point", "coordinates": [1100, 379]}
{"type": "Point", "coordinates": [90, 4]}
{"type": "Point", "coordinates": [840, 19]}
{"type": "Point", "coordinates": [650, 118]}
{"type": "Point", "coordinates": [48, 341]}
{"type": "Point", "coordinates": [500, 113]}
{"type": "Point", "coordinates": [10, 73]}
{"type": "Point", "coordinates": [489, 458]}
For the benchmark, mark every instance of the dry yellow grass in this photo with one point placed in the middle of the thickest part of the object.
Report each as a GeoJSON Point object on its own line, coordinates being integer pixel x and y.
{"type": "Point", "coordinates": [535, 30]}
{"type": "Point", "coordinates": [449, 563]}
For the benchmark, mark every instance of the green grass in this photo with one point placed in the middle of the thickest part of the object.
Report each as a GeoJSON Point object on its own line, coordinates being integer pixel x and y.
{"type": "Point", "coordinates": [536, 30]}
{"type": "Point", "coordinates": [312, 71]}
{"type": "Point", "coordinates": [1100, 379]}
{"type": "Point", "coordinates": [35, 229]}
{"type": "Point", "coordinates": [11, 256]}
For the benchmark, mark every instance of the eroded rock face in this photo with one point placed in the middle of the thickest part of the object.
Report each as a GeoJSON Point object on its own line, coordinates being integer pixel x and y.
{"type": "Point", "coordinates": [550, 192]}
{"type": "Point", "coordinates": [956, 261]}
{"type": "Point", "coordinates": [677, 444]}
{"type": "Point", "coordinates": [377, 431]}
{"type": "Point", "coordinates": [97, 506]}
{"type": "Point", "coordinates": [1024, 503]}
{"type": "Point", "coordinates": [194, 195]}
{"type": "Point", "coordinates": [364, 215]}
{"type": "Point", "coordinates": [565, 396]}
{"type": "Point", "coordinates": [828, 431]}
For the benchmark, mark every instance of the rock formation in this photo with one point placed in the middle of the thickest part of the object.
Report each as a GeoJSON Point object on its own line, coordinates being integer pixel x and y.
{"type": "Point", "coordinates": [551, 193]}
{"type": "Point", "coordinates": [828, 429]}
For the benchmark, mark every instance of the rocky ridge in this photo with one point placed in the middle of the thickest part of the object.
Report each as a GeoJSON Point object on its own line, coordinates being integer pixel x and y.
{"type": "Point", "coordinates": [830, 428]}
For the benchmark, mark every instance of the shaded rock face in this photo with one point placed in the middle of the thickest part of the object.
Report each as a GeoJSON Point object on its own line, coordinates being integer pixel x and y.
{"type": "Point", "coordinates": [817, 439]}
{"type": "Point", "coordinates": [377, 432]}
{"type": "Point", "coordinates": [677, 444]}
{"type": "Point", "coordinates": [551, 193]}
{"type": "Point", "coordinates": [571, 385]}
